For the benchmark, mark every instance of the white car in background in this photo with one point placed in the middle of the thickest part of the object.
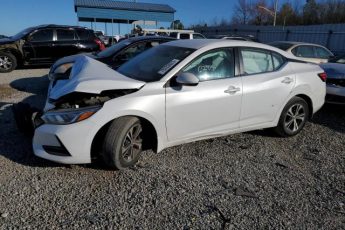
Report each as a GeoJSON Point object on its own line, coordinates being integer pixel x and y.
{"type": "Point", "coordinates": [178, 92]}
{"type": "Point", "coordinates": [305, 51]}
{"type": "Point", "coordinates": [186, 35]}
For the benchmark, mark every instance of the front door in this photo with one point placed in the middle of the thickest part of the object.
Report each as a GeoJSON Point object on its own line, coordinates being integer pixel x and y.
{"type": "Point", "coordinates": [38, 46]}
{"type": "Point", "coordinates": [212, 106]}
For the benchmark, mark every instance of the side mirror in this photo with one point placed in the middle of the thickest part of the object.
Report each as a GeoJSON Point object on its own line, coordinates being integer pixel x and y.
{"type": "Point", "coordinates": [188, 79]}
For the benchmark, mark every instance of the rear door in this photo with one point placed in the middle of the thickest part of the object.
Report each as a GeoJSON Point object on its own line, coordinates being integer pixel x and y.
{"type": "Point", "coordinates": [38, 46]}
{"type": "Point", "coordinates": [267, 83]}
{"type": "Point", "coordinates": [66, 43]}
{"type": "Point", "coordinates": [211, 107]}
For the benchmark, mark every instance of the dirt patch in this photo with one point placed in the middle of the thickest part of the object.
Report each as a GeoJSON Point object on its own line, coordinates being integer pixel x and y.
{"type": "Point", "coordinates": [7, 91]}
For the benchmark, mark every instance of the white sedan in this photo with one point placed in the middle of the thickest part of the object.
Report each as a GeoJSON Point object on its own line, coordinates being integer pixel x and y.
{"type": "Point", "coordinates": [178, 92]}
{"type": "Point", "coordinates": [305, 51]}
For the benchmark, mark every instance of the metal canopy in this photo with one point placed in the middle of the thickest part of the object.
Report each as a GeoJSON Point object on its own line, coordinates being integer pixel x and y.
{"type": "Point", "coordinates": [122, 12]}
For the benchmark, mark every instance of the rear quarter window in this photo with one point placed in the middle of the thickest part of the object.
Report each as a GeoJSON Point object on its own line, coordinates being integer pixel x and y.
{"type": "Point", "coordinates": [278, 61]}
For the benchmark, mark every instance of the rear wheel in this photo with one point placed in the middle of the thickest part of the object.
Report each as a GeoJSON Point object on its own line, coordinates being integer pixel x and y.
{"type": "Point", "coordinates": [8, 62]}
{"type": "Point", "coordinates": [123, 143]}
{"type": "Point", "coordinates": [293, 118]}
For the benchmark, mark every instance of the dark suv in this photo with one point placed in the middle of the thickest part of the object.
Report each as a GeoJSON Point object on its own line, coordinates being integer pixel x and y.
{"type": "Point", "coordinates": [45, 44]}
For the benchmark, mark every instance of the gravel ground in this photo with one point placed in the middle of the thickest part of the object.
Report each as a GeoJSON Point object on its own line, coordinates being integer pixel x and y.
{"type": "Point", "coordinates": [244, 181]}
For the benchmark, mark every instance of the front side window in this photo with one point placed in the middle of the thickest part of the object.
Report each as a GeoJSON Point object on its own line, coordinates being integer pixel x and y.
{"type": "Point", "coordinates": [65, 35]}
{"type": "Point", "coordinates": [304, 51]}
{"type": "Point", "coordinates": [217, 64]}
{"type": "Point", "coordinates": [42, 36]}
{"type": "Point", "coordinates": [154, 63]}
{"type": "Point", "coordinates": [322, 53]}
{"type": "Point", "coordinates": [256, 61]}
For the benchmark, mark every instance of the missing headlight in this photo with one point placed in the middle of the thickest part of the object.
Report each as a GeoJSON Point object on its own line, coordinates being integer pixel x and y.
{"type": "Point", "coordinates": [80, 100]}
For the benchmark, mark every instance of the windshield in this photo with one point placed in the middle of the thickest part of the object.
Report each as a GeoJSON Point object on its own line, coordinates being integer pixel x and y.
{"type": "Point", "coordinates": [281, 45]}
{"type": "Point", "coordinates": [154, 63]}
{"type": "Point", "coordinates": [113, 49]}
{"type": "Point", "coordinates": [22, 33]}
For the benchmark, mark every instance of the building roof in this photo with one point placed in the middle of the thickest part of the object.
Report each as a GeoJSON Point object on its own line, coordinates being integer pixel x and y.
{"type": "Point", "coordinates": [120, 5]}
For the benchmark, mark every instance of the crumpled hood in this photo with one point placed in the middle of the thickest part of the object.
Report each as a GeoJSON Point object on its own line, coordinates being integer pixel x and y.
{"type": "Point", "coordinates": [91, 76]}
{"type": "Point", "coordinates": [69, 59]}
{"type": "Point", "coordinates": [334, 70]}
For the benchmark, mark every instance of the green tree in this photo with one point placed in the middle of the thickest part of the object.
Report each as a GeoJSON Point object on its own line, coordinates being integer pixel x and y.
{"type": "Point", "coordinates": [177, 25]}
{"type": "Point", "coordinates": [311, 13]}
{"type": "Point", "coordinates": [287, 15]}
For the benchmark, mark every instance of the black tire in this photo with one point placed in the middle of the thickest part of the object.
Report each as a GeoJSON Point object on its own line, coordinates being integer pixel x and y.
{"type": "Point", "coordinates": [293, 118]}
{"type": "Point", "coordinates": [117, 140]}
{"type": "Point", "coordinates": [8, 62]}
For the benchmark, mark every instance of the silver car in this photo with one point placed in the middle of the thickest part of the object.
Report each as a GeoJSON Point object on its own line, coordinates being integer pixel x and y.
{"type": "Point", "coordinates": [178, 92]}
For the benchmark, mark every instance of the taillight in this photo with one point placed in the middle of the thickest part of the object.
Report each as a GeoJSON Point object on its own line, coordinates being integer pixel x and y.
{"type": "Point", "coordinates": [323, 76]}
{"type": "Point", "coordinates": [100, 44]}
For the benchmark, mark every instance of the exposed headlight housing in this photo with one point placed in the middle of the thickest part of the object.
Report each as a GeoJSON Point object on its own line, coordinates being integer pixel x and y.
{"type": "Point", "coordinates": [64, 117]}
{"type": "Point", "coordinates": [60, 70]}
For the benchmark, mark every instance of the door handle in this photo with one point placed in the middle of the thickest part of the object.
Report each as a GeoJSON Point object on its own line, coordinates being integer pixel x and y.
{"type": "Point", "coordinates": [232, 90]}
{"type": "Point", "coordinates": [287, 80]}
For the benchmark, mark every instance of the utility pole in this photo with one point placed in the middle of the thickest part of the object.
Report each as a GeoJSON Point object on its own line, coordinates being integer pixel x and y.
{"type": "Point", "coordinates": [272, 13]}
{"type": "Point", "coordinates": [275, 12]}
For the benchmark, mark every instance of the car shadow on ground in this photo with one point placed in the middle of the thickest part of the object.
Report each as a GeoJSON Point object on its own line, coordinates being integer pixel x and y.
{"type": "Point", "coordinates": [330, 115]}
{"type": "Point", "coordinates": [14, 145]}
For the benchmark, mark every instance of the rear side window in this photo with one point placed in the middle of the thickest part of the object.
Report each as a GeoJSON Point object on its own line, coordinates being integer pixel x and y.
{"type": "Point", "coordinates": [256, 61]}
{"type": "Point", "coordinates": [65, 35]}
{"type": "Point", "coordinates": [184, 36]}
{"type": "Point", "coordinates": [42, 36]}
{"type": "Point", "coordinates": [304, 51]}
{"type": "Point", "coordinates": [83, 34]}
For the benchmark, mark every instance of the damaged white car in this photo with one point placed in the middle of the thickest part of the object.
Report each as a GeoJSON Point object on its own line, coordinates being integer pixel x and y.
{"type": "Point", "coordinates": [175, 93]}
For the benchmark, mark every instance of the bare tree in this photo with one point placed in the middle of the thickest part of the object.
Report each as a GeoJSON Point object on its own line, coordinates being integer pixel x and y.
{"type": "Point", "coordinates": [242, 12]}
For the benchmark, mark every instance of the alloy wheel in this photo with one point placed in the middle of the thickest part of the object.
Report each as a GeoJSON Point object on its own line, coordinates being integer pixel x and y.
{"type": "Point", "coordinates": [5, 63]}
{"type": "Point", "coordinates": [295, 117]}
{"type": "Point", "coordinates": [132, 144]}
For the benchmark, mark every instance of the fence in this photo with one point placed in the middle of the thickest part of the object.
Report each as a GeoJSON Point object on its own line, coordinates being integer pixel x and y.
{"type": "Point", "coordinates": [331, 36]}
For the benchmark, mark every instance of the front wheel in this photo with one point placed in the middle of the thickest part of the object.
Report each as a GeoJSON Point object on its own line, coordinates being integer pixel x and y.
{"type": "Point", "coordinates": [123, 143]}
{"type": "Point", "coordinates": [293, 118]}
{"type": "Point", "coordinates": [8, 62]}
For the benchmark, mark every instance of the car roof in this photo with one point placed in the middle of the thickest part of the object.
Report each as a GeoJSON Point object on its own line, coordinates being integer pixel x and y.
{"type": "Point", "coordinates": [147, 38]}
{"type": "Point", "coordinates": [59, 26]}
{"type": "Point", "coordinates": [215, 43]}
{"type": "Point", "coordinates": [295, 43]}
{"type": "Point", "coordinates": [200, 43]}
